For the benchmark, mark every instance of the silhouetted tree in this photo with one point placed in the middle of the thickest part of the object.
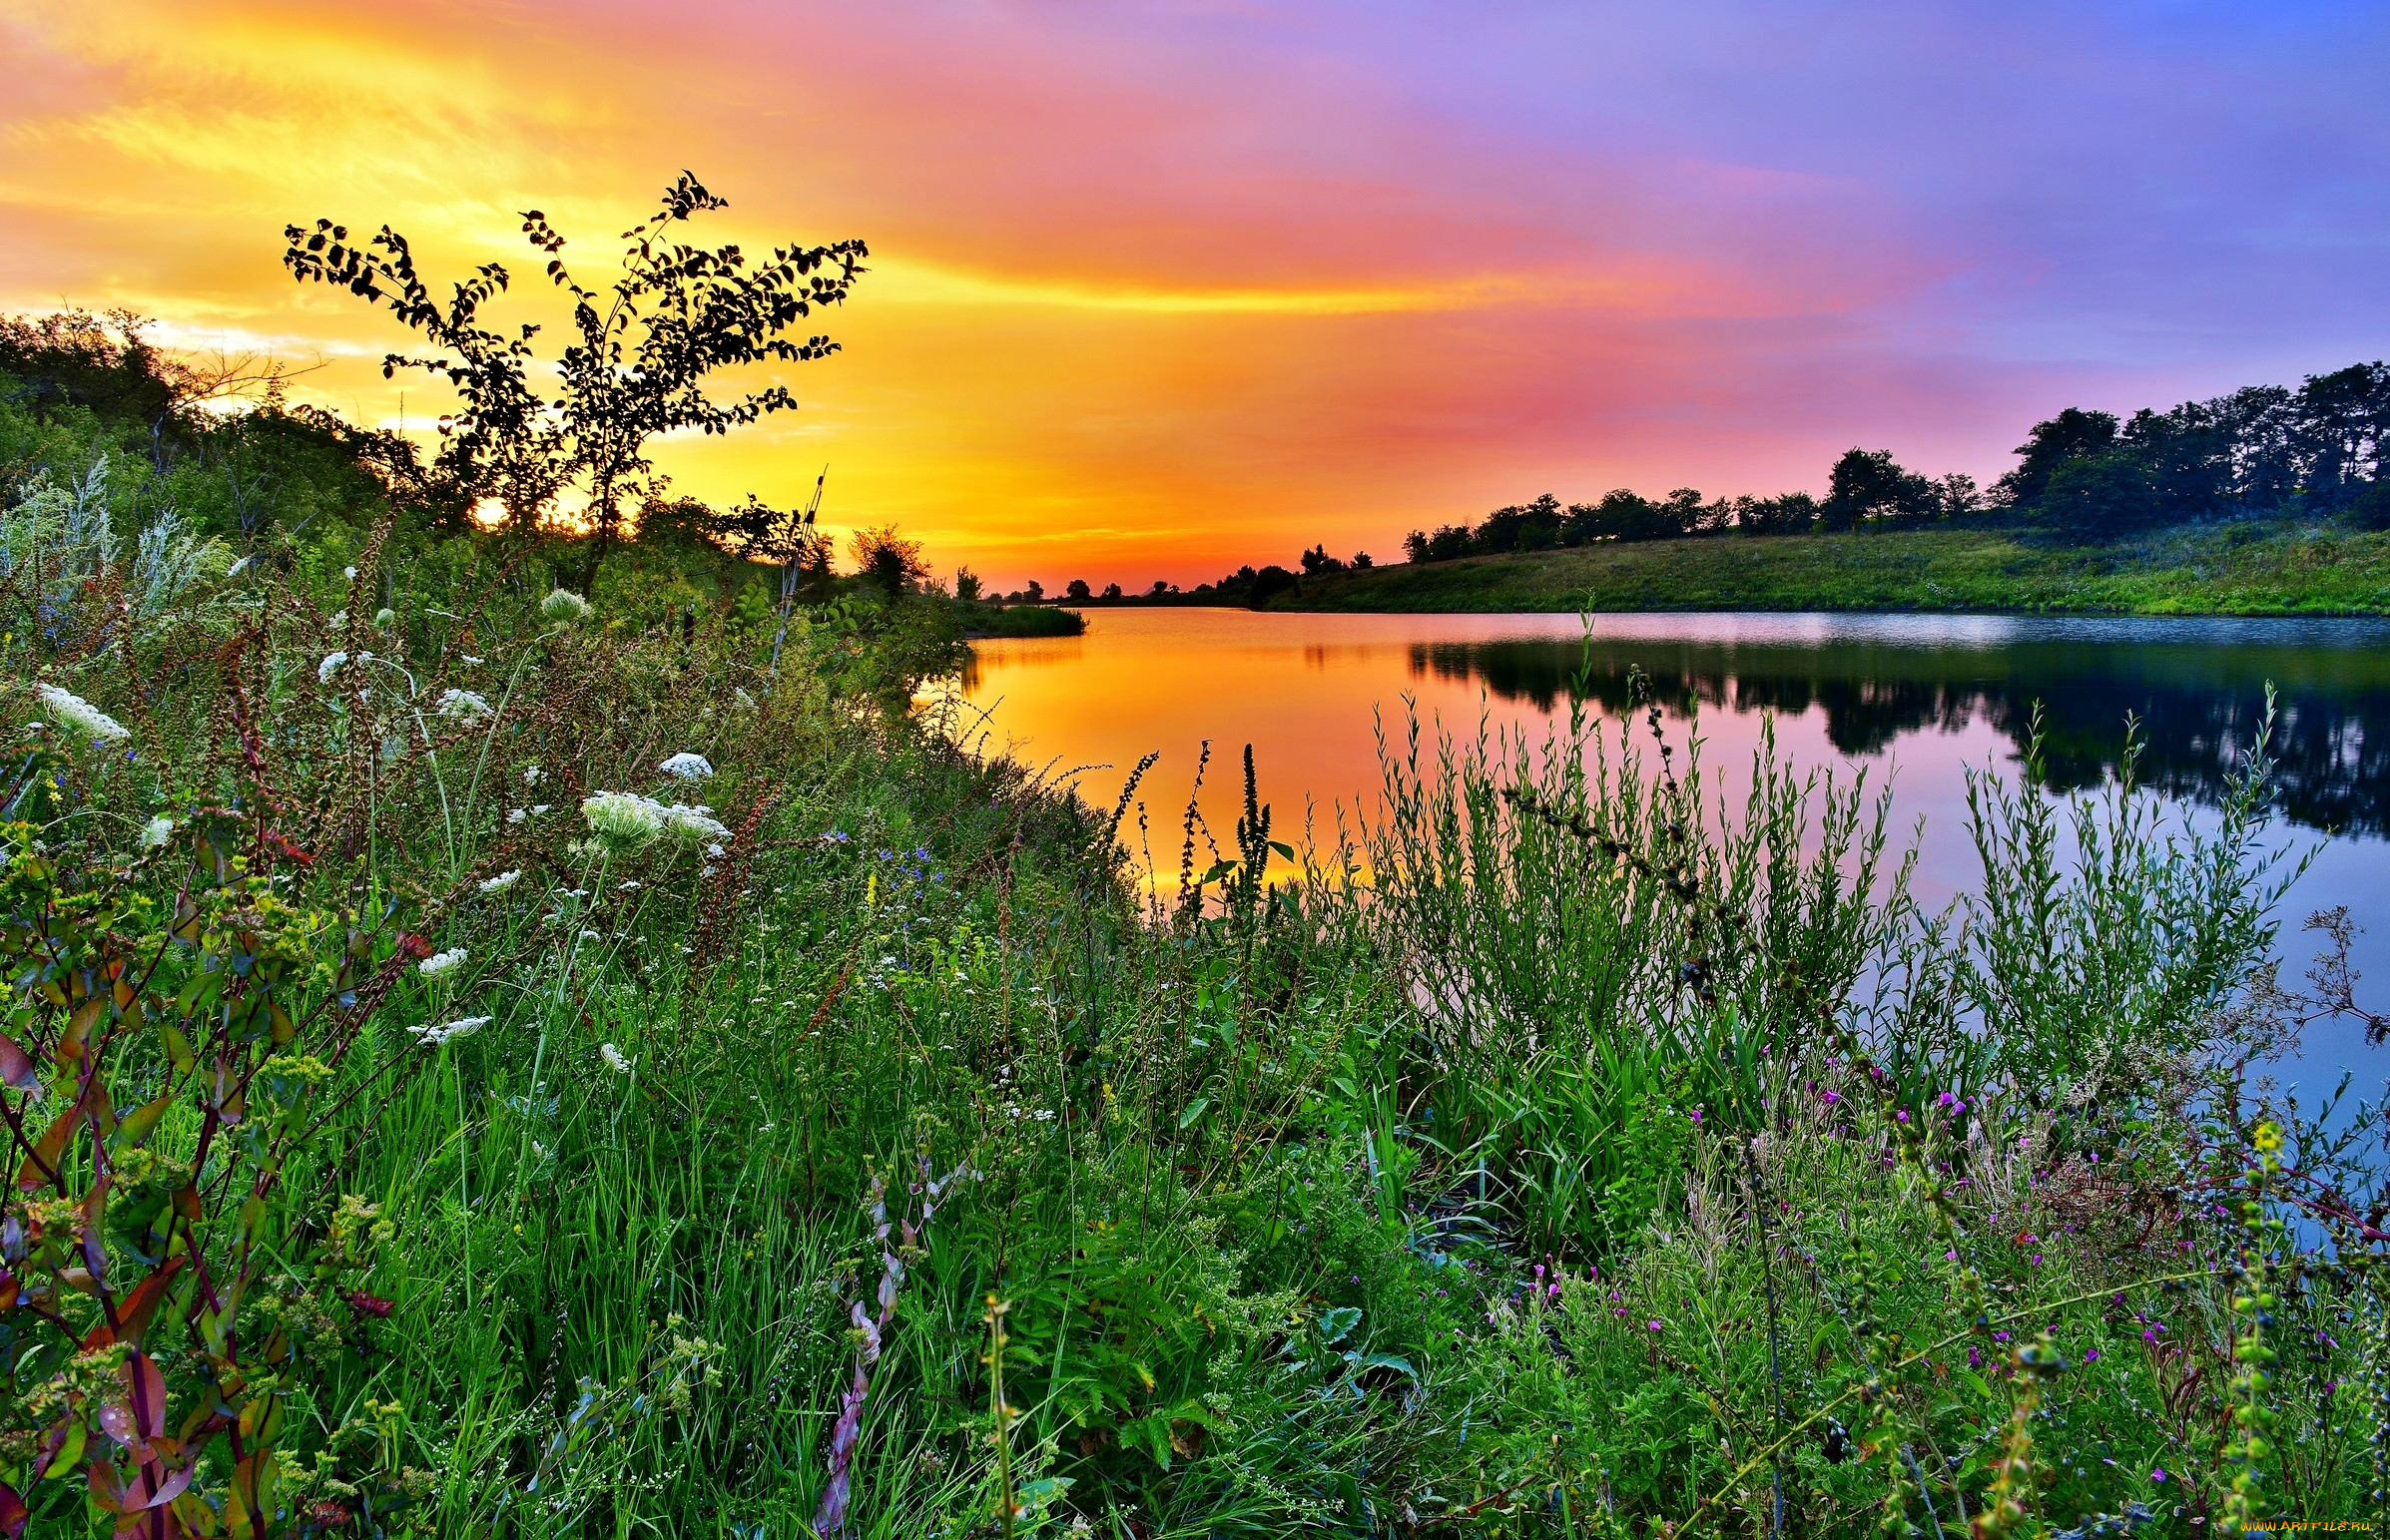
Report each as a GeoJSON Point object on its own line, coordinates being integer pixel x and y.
{"type": "Point", "coordinates": [2071, 435]}
{"type": "Point", "coordinates": [892, 563]}
{"type": "Point", "coordinates": [640, 354]}
{"type": "Point", "coordinates": [1868, 486]}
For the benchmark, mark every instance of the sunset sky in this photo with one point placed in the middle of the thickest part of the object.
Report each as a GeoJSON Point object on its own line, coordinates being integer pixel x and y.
{"type": "Point", "coordinates": [1159, 288]}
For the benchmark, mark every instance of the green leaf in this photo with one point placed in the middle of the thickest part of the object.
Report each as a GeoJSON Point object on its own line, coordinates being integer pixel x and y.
{"type": "Point", "coordinates": [1219, 870]}
{"type": "Point", "coordinates": [1334, 1325]}
{"type": "Point", "coordinates": [1383, 1360]}
{"type": "Point", "coordinates": [1195, 1109]}
{"type": "Point", "coordinates": [1282, 848]}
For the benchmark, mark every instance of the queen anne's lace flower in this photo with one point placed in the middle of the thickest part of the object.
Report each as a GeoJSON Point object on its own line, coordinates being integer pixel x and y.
{"type": "Point", "coordinates": [462, 704]}
{"type": "Point", "coordinates": [329, 666]}
{"type": "Point", "coordinates": [502, 881]}
{"type": "Point", "coordinates": [81, 715]}
{"type": "Point", "coordinates": [614, 1058]}
{"type": "Point", "coordinates": [432, 1036]}
{"type": "Point", "coordinates": [564, 604]}
{"type": "Point", "coordinates": [695, 823]}
{"type": "Point", "coordinates": [622, 820]}
{"type": "Point", "coordinates": [443, 962]}
{"type": "Point", "coordinates": [687, 766]}
{"type": "Point", "coordinates": [157, 832]}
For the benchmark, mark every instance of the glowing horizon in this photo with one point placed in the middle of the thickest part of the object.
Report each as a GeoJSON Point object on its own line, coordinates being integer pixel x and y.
{"type": "Point", "coordinates": [1160, 289]}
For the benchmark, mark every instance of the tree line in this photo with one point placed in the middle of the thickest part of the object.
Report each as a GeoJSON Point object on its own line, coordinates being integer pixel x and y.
{"type": "Point", "coordinates": [2082, 475]}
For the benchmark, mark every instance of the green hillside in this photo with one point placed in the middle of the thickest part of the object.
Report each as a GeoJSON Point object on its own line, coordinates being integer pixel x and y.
{"type": "Point", "coordinates": [2239, 568]}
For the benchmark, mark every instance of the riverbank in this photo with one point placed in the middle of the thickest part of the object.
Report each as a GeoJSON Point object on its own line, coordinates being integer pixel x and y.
{"type": "Point", "coordinates": [2241, 568]}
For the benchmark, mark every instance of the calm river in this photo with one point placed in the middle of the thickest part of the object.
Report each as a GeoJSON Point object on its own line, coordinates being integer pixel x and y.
{"type": "Point", "coordinates": [1912, 698]}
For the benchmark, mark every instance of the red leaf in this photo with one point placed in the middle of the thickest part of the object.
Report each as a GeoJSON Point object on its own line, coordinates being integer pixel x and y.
{"type": "Point", "coordinates": [116, 1420]}
{"type": "Point", "coordinates": [133, 1315]}
{"type": "Point", "coordinates": [154, 1486]}
{"type": "Point", "coordinates": [13, 1513]}
{"type": "Point", "coordinates": [47, 1150]}
{"type": "Point", "coordinates": [144, 1389]}
{"type": "Point", "coordinates": [16, 1068]}
{"type": "Point", "coordinates": [368, 1304]}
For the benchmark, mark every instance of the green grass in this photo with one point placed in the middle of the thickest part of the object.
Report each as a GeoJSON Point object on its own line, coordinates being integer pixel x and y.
{"type": "Point", "coordinates": [1018, 619]}
{"type": "Point", "coordinates": [2270, 568]}
{"type": "Point", "coordinates": [1603, 1160]}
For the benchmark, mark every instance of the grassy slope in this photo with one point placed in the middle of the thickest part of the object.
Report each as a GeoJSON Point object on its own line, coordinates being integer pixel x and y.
{"type": "Point", "coordinates": [2240, 568]}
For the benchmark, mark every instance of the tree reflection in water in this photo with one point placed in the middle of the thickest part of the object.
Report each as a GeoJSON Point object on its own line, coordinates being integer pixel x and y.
{"type": "Point", "coordinates": [2198, 689]}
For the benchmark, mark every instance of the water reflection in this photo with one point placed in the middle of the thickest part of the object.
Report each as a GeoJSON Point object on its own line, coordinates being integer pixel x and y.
{"type": "Point", "coordinates": [2198, 689]}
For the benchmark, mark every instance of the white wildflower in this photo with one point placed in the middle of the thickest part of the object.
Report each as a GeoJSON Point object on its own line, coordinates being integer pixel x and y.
{"type": "Point", "coordinates": [81, 715]}
{"type": "Point", "coordinates": [432, 1036]}
{"type": "Point", "coordinates": [504, 879]}
{"type": "Point", "coordinates": [516, 815]}
{"type": "Point", "coordinates": [236, 568]}
{"type": "Point", "coordinates": [329, 666]}
{"type": "Point", "coordinates": [531, 775]}
{"type": "Point", "coordinates": [687, 766]}
{"type": "Point", "coordinates": [349, 573]}
{"type": "Point", "coordinates": [340, 618]}
{"type": "Point", "coordinates": [622, 820]}
{"type": "Point", "coordinates": [468, 660]}
{"type": "Point", "coordinates": [540, 808]}
{"type": "Point", "coordinates": [746, 700]}
{"type": "Point", "coordinates": [443, 962]}
{"type": "Point", "coordinates": [695, 823]}
{"type": "Point", "coordinates": [715, 850]}
{"type": "Point", "coordinates": [564, 604]}
{"type": "Point", "coordinates": [157, 832]}
{"type": "Point", "coordinates": [614, 1058]}
{"type": "Point", "coordinates": [462, 704]}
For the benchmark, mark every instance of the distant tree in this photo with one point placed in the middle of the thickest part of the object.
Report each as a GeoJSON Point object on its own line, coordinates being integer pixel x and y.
{"type": "Point", "coordinates": [2098, 496]}
{"type": "Point", "coordinates": [1078, 589]}
{"type": "Point", "coordinates": [1956, 496]}
{"type": "Point", "coordinates": [2342, 432]}
{"type": "Point", "coordinates": [2071, 435]}
{"type": "Point", "coordinates": [966, 584]}
{"type": "Point", "coordinates": [1790, 514]}
{"type": "Point", "coordinates": [1620, 515]}
{"type": "Point", "coordinates": [1035, 592]}
{"type": "Point", "coordinates": [1870, 487]}
{"type": "Point", "coordinates": [106, 364]}
{"type": "Point", "coordinates": [635, 369]}
{"type": "Point", "coordinates": [1268, 584]}
{"type": "Point", "coordinates": [1317, 563]}
{"type": "Point", "coordinates": [1448, 543]}
{"type": "Point", "coordinates": [1160, 587]}
{"type": "Point", "coordinates": [1362, 562]}
{"type": "Point", "coordinates": [1415, 546]}
{"type": "Point", "coordinates": [1111, 590]}
{"type": "Point", "coordinates": [892, 564]}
